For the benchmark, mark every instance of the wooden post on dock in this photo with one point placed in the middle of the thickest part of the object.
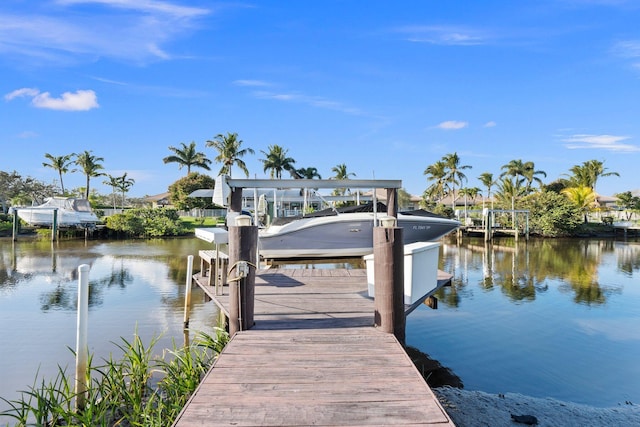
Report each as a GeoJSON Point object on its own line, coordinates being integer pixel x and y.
{"type": "Point", "coordinates": [488, 226]}
{"type": "Point", "coordinates": [82, 350]}
{"type": "Point", "coordinates": [54, 226]}
{"type": "Point", "coordinates": [16, 224]}
{"type": "Point", "coordinates": [392, 202]}
{"type": "Point", "coordinates": [243, 243]}
{"type": "Point", "coordinates": [388, 255]}
{"type": "Point", "coordinates": [187, 292]}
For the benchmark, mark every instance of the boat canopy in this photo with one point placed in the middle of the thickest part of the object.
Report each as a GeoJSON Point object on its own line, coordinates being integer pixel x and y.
{"type": "Point", "coordinates": [78, 205]}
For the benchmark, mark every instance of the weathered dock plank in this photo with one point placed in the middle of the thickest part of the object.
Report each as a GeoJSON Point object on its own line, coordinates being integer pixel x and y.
{"type": "Point", "coordinates": [312, 358]}
{"type": "Point", "coordinates": [306, 383]}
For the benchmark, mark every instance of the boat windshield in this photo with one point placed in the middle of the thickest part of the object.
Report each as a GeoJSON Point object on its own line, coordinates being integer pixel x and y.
{"type": "Point", "coordinates": [367, 207]}
{"type": "Point", "coordinates": [81, 205]}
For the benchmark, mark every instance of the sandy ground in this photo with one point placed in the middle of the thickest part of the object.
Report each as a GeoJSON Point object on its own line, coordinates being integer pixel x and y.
{"type": "Point", "coordinates": [477, 409]}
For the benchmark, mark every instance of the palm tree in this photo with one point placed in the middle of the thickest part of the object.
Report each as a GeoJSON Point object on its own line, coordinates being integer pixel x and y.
{"type": "Point", "coordinates": [276, 161]}
{"type": "Point", "coordinates": [188, 156]}
{"type": "Point", "coordinates": [90, 166]}
{"type": "Point", "coordinates": [508, 192]}
{"type": "Point", "coordinates": [471, 192]}
{"type": "Point", "coordinates": [124, 184]}
{"type": "Point", "coordinates": [486, 179]}
{"type": "Point", "coordinates": [529, 174]}
{"type": "Point", "coordinates": [112, 181]}
{"type": "Point", "coordinates": [454, 175]}
{"type": "Point", "coordinates": [307, 173]}
{"type": "Point", "coordinates": [515, 170]}
{"type": "Point", "coordinates": [436, 172]}
{"type": "Point", "coordinates": [341, 173]}
{"type": "Point", "coordinates": [587, 174]}
{"type": "Point", "coordinates": [229, 152]}
{"type": "Point", "coordinates": [60, 164]}
{"type": "Point", "coordinates": [513, 176]}
{"type": "Point", "coordinates": [583, 197]}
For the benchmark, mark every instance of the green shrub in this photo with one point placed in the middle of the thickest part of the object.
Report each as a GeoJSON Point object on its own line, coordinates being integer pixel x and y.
{"type": "Point", "coordinates": [551, 214]}
{"type": "Point", "coordinates": [146, 223]}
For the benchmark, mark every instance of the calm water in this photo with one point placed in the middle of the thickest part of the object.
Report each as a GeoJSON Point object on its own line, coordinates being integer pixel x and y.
{"type": "Point", "coordinates": [548, 318]}
{"type": "Point", "coordinates": [134, 285]}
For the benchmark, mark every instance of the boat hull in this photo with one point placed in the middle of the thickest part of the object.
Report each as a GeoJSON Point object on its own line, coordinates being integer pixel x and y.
{"type": "Point", "coordinates": [44, 217]}
{"type": "Point", "coordinates": [347, 235]}
{"type": "Point", "coordinates": [70, 213]}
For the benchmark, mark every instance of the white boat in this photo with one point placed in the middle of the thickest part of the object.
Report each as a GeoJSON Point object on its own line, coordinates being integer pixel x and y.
{"type": "Point", "coordinates": [344, 233]}
{"type": "Point", "coordinates": [71, 213]}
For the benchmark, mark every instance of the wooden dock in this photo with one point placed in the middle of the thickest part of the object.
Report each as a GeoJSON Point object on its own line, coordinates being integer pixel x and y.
{"type": "Point", "coordinates": [312, 358]}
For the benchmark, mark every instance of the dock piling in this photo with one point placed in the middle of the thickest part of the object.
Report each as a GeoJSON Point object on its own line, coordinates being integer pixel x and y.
{"type": "Point", "coordinates": [82, 350]}
{"type": "Point", "coordinates": [388, 254]}
{"type": "Point", "coordinates": [54, 226]}
{"type": "Point", "coordinates": [16, 224]}
{"type": "Point", "coordinates": [243, 243]}
{"type": "Point", "coordinates": [187, 295]}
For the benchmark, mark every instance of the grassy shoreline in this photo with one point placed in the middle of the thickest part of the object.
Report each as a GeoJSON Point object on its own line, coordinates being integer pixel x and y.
{"type": "Point", "coordinates": [137, 389]}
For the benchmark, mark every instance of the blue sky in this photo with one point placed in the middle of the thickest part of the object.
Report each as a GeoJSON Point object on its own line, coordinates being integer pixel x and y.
{"type": "Point", "coordinates": [387, 88]}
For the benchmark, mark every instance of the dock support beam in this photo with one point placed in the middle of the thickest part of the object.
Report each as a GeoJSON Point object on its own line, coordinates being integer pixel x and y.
{"type": "Point", "coordinates": [243, 244]}
{"type": "Point", "coordinates": [388, 255]}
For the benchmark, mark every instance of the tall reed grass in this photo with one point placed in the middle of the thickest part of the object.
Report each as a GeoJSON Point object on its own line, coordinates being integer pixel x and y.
{"type": "Point", "coordinates": [136, 390]}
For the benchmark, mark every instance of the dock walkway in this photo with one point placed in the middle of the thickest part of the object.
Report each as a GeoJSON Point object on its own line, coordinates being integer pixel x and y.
{"type": "Point", "coordinates": [312, 358]}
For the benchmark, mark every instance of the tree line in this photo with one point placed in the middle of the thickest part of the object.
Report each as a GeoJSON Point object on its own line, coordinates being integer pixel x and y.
{"type": "Point", "coordinates": [16, 190]}
{"type": "Point", "coordinates": [446, 178]}
{"type": "Point", "coordinates": [520, 182]}
{"type": "Point", "coordinates": [230, 153]}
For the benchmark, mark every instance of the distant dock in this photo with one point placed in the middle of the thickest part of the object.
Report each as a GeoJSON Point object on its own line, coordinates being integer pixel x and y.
{"type": "Point", "coordinates": [627, 228]}
{"type": "Point", "coordinates": [312, 358]}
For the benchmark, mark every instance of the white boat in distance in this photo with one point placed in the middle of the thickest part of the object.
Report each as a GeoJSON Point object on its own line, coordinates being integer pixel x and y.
{"type": "Point", "coordinates": [71, 213]}
{"type": "Point", "coordinates": [347, 232]}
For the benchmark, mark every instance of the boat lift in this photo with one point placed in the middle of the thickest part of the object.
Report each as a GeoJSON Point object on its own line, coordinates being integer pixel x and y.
{"type": "Point", "coordinates": [225, 189]}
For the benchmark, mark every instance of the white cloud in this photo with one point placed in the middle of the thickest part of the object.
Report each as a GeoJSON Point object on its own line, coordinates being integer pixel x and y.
{"type": "Point", "coordinates": [25, 91]}
{"type": "Point", "coordinates": [278, 96]}
{"type": "Point", "coordinates": [313, 101]}
{"type": "Point", "coordinates": [490, 124]}
{"type": "Point", "coordinates": [599, 142]}
{"type": "Point", "coordinates": [115, 82]}
{"type": "Point", "coordinates": [147, 6]}
{"type": "Point", "coordinates": [135, 30]}
{"type": "Point", "coordinates": [443, 35]}
{"type": "Point", "coordinates": [629, 49]}
{"type": "Point", "coordinates": [452, 125]}
{"type": "Point", "coordinates": [81, 100]}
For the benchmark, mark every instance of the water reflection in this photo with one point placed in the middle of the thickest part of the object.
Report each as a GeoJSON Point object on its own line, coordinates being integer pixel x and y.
{"type": "Point", "coordinates": [628, 258]}
{"type": "Point", "coordinates": [134, 287]}
{"type": "Point", "coordinates": [546, 318]}
{"type": "Point", "coordinates": [319, 264]}
{"type": "Point", "coordinates": [523, 270]}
